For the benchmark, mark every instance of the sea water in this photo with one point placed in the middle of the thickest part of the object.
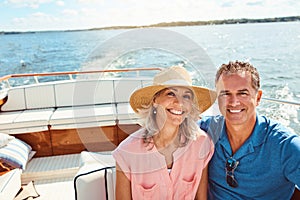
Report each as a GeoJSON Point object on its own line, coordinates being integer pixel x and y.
{"type": "Point", "coordinates": [273, 48]}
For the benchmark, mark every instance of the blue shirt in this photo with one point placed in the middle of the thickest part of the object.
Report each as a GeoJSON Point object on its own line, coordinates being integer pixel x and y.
{"type": "Point", "coordinates": [269, 161]}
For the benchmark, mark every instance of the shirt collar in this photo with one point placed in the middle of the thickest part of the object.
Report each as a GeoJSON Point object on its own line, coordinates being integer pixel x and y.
{"type": "Point", "coordinates": [257, 138]}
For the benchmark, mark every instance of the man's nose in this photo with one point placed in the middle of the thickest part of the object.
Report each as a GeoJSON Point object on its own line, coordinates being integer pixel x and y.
{"type": "Point", "coordinates": [234, 100]}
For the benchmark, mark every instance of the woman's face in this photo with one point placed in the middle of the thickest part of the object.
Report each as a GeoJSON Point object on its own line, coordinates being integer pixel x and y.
{"type": "Point", "coordinates": [174, 104]}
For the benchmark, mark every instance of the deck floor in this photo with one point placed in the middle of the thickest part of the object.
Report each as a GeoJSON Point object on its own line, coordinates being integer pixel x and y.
{"type": "Point", "coordinates": [58, 189]}
{"type": "Point", "coordinates": [53, 176]}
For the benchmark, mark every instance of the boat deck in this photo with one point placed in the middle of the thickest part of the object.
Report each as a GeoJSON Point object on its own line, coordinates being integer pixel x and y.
{"type": "Point", "coordinates": [53, 176]}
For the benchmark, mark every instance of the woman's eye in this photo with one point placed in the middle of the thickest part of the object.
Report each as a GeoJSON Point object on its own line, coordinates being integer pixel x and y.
{"type": "Point", "coordinates": [171, 94]}
{"type": "Point", "coordinates": [187, 97]}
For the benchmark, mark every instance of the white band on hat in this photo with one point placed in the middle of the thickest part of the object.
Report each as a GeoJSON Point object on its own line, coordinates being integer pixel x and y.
{"type": "Point", "coordinates": [176, 82]}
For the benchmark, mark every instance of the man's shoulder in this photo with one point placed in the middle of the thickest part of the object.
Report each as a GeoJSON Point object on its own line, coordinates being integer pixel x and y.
{"type": "Point", "coordinates": [213, 125]}
{"type": "Point", "coordinates": [275, 129]}
{"type": "Point", "coordinates": [211, 120]}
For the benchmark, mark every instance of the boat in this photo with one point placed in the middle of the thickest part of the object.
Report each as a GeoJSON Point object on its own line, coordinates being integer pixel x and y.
{"type": "Point", "coordinates": [71, 121]}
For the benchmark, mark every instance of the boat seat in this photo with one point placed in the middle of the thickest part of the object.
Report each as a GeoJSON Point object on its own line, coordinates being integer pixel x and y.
{"type": "Point", "coordinates": [96, 178]}
{"type": "Point", "coordinates": [25, 121]}
{"type": "Point", "coordinates": [16, 100]}
{"type": "Point", "coordinates": [84, 92]}
{"type": "Point", "coordinates": [83, 116]}
{"type": "Point", "coordinates": [125, 114]}
{"type": "Point", "coordinates": [123, 90]}
{"type": "Point", "coordinates": [68, 105]}
{"type": "Point", "coordinates": [7, 119]}
{"type": "Point", "coordinates": [10, 184]}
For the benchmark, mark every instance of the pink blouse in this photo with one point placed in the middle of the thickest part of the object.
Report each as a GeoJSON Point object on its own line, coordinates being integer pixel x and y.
{"type": "Point", "coordinates": [146, 168]}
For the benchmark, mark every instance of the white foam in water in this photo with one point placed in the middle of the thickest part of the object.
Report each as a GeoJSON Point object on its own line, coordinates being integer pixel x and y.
{"type": "Point", "coordinates": [284, 113]}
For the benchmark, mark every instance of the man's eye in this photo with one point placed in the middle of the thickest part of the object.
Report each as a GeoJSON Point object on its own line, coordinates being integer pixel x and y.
{"type": "Point", "coordinates": [244, 94]}
{"type": "Point", "coordinates": [224, 94]}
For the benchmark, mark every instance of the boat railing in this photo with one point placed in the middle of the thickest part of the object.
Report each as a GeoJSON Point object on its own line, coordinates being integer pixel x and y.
{"type": "Point", "coordinates": [279, 101]}
{"type": "Point", "coordinates": [71, 74]}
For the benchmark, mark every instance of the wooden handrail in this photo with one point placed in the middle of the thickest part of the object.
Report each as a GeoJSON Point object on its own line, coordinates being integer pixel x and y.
{"type": "Point", "coordinates": [76, 72]}
{"type": "Point", "coordinates": [7, 77]}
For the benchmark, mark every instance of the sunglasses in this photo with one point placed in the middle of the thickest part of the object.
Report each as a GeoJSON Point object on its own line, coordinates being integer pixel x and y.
{"type": "Point", "coordinates": [231, 165]}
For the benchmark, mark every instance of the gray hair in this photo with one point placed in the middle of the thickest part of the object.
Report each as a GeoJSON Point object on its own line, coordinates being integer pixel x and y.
{"type": "Point", "coordinates": [188, 129]}
{"type": "Point", "coordinates": [239, 66]}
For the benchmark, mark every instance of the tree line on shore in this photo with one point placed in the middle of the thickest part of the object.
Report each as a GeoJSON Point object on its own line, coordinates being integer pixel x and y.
{"type": "Point", "coordinates": [184, 23]}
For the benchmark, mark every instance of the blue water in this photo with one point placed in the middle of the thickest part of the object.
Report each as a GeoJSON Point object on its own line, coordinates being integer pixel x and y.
{"type": "Point", "coordinates": [274, 48]}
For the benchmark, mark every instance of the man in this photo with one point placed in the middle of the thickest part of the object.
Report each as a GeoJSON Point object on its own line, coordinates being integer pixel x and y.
{"type": "Point", "coordinates": [255, 157]}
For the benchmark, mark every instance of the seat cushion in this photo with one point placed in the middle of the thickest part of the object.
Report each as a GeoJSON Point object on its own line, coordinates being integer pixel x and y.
{"type": "Point", "coordinates": [15, 154]}
{"type": "Point", "coordinates": [75, 117]}
{"type": "Point", "coordinates": [7, 119]}
{"type": "Point", "coordinates": [96, 177]}
{"type": "Point", "coordinates": [32, 118]}
{"type": "Point", "coordinates": [10, 184]}
{"type": "Point", "coordinates": [4, 139]}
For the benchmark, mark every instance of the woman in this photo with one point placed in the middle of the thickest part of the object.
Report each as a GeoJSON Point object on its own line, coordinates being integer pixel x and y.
{"type": "Point", "coordinates": [167, 158]}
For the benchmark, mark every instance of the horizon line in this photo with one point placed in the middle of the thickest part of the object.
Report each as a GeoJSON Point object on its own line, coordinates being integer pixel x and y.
{"type": "Point", "coordinates": [173, 24]}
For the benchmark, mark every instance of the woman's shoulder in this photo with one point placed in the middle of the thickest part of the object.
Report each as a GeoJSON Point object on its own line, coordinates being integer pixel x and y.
{"type": "Point", "coordinates": [134, 142]}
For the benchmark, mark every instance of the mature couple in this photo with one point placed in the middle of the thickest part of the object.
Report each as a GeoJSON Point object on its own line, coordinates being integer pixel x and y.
{"type": "Point", "coordinates": [239, 155]}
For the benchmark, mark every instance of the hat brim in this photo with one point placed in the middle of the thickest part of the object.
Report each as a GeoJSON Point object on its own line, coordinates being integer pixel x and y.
{"type": "Point", "coordinates": [141, 98]}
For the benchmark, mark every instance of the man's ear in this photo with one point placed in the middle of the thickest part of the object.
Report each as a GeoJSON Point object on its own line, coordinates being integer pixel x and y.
{"type": "Point", "coordinates": [258, 97]}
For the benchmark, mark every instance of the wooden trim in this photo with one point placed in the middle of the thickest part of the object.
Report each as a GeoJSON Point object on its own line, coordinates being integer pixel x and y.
{"type": "Point", "coordinates": [124, 130]}
{"type": "Point", "coordinates": [3, 101]}
{"type": "Point", "coordinates": [75, 72]}
{"type": "Point", "coordinates": [69, 141]}
{"type": "Point", "coordinates": [39, 141]}
{"type": "Point", "coordinates": [90, 139]}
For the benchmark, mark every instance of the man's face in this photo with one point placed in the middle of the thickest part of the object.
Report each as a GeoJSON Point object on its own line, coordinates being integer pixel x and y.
{"type": "Point", "coordinates": [237, 98]}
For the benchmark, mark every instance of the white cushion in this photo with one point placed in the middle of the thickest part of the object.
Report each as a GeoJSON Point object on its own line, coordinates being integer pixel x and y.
{"type": "Point", "coordinates": [33, 118]}
{"type": "Point", "coordinates": [5, 138]}
{"type": "Point", "coordinates": [74, 117]}
{"type": "Point", "coordinates": [90, 182]}
{"type": "Point", "coordinates": [102, 158]}
{"type": "Point", "coordinates": [126, 115]}
{"type": "Point", "coordinates": [79, 92]}
{"type": "Point", "coordinates": [7, 119]}
{"type": "Point", "coordinates": [10, 184]}
{"type": "Point", "coordinates": [25, 121]}
{"type": "Point", "coordinates": [40, 96]}
{"type": "Point", "coordinates": [124, 88]}
{"type": "Point", "coordinates": [15, 101]}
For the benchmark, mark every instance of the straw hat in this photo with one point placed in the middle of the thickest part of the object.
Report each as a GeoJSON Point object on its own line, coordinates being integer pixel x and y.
{"type": "Point", "coordinates": [173, 76]}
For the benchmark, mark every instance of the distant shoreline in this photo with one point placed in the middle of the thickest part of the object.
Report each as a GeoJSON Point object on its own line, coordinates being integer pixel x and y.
{"type": "Point", "coordinates": [173, 24]}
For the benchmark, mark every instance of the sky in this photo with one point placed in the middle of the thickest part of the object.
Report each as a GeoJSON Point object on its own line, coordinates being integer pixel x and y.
{"type": "Point", "coordinates": [42, 15]}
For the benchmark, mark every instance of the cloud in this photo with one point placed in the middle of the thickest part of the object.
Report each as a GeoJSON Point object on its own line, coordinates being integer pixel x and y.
{"type": "Point", "coordinates": [60, 3]}
{"type": "Point", "coordinates": [90, 1]}
{"type": "Point", "coordinates": [256, 3]}
{"type": "Point", "coordinates": [36, 21]}
{"type": "Point", "coordinates": [81, 14]}
{"type": "Point", "coordinates": [70, 12]}
{"type": "Point", "coordinates": [35, 4]}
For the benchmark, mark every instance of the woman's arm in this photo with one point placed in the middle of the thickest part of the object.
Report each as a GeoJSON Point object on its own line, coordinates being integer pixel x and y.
{"type": "Point", "coordinates": [123, 186]}
{"type": "Point", "coordinates": [202, 189]}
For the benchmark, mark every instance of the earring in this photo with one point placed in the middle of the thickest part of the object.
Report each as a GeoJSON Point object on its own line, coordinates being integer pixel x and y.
{"type": "Point", "coordinates": [154, 111]}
